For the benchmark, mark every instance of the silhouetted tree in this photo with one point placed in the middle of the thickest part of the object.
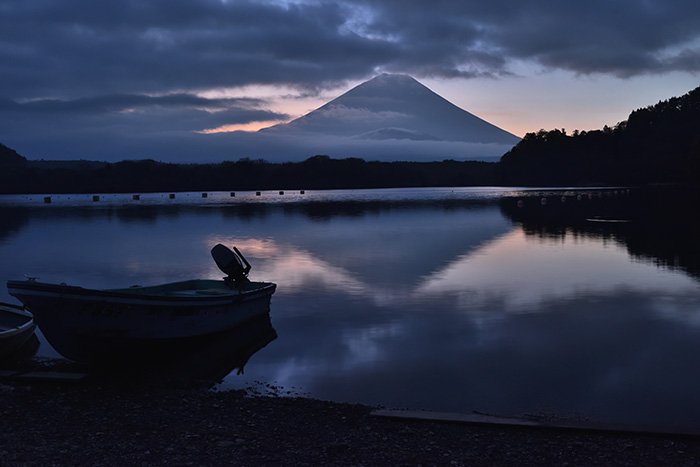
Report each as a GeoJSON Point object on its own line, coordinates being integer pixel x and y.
{"type": "Point", "coordinates": [659, 143]}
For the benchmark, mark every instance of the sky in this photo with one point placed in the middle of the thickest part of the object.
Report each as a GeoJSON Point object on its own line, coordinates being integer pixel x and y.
{"type": "Point", "coordinates": [170, 80]}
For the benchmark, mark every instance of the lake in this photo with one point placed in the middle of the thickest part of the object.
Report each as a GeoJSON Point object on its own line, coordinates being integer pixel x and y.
{"type": "Point", "coordinates": [569, 304]}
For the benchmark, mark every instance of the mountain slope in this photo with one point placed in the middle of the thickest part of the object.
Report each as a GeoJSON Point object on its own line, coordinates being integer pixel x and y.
{"type": "Point", "coordinates": [395, 107]}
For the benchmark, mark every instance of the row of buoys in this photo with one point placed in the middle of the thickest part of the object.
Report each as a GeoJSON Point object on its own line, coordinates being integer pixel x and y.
{"type": "Point", "coordinates": [281, 193]}
{"type": "Point", "coordinates": [599, 194]}
{"type": "Point", "coordinates": [97, 198]}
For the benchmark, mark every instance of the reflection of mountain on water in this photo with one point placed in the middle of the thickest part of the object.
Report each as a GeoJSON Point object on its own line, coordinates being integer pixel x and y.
{"type": "Point", "coordinates": [14, 218]}
{"type": "Point", "coordinates": [321, 211]}
{"type": "Point", "coordinates": [378, 243]}
{"type": "Point", "coordinates": [315, 210]}
{"type": "Point", "coordinates": [378, 248]}
{"type": "Point", "coordinates": [657, 225]}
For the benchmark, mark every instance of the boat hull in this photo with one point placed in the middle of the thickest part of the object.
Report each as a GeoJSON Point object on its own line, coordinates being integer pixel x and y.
{"type": "Point", "coordinates": [16, 328]}
{"type": "Point", "coordinates": [91, 325]}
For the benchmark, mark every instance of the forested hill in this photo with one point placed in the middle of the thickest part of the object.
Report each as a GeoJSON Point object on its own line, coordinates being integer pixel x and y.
{"type": "Point", "coordinates": [9, 156]}
{"type": "Point", "coordinates": [656, 144]}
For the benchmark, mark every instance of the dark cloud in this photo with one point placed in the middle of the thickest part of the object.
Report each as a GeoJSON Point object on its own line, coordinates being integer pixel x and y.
{"type": "Point", "coordinates": [134, 114]}
{"type": "Point", "coordinates": [72, 47]}
{"type": "Point", "coordinates": [622, 37]}
{"type": "Point", "coordinates": [122, 102]}
{"type": "Point", "coordinates": [77, 46]}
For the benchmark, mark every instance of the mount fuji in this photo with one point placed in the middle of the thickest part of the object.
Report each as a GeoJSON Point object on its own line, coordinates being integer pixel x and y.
{"type": "Point", "coordinates": [396, 107]}
{"type": "Point", "coordinates": [389, 117]}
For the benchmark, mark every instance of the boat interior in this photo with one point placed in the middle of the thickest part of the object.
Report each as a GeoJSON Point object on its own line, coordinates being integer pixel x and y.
{"type": "Point", "coordinates": [12, 317]}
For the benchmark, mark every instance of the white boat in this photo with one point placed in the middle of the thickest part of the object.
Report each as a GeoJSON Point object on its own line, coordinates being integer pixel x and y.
{"type": "Point", "coordinates": [16, 328]}
{"type": "Point", "coordinates": [89, 325]}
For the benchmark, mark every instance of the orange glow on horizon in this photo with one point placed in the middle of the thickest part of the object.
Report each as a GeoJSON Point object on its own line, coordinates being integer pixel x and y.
{"type": "Point", "coordinates": [249, 127]}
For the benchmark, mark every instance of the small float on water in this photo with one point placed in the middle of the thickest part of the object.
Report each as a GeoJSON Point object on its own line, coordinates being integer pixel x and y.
{"type": "Point", "coordinates": [16, 328]}
{"type": "Point", "coordinates": [89, 325]}
{"type": "Point", "coordinates": [607, 221]}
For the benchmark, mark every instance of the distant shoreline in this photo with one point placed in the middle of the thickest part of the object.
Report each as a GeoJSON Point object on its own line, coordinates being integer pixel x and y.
{"type": "Point", "coordinates": [28, 177]}
{"type": "Point", "coordinates": [315, 173]}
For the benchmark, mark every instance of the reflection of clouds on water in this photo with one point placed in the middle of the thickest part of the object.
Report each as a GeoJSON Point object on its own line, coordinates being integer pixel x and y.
{"type": "Point", "coordinates": [524, 271]}
{"type": "Point", "coordinates": [364, 346]}
{"type": "Point", "coordinates": [512, 273]}
{"type": "Point", "coordinates": [681, 307]}
{"type": "Point", "coordinates": [292, 268]}
{"type": "Point", "coordinates": [607, 357]}
{"type": "Point", "coordinates": [298, 269]}
{"type": "Point", "coordinates": [302, 362]}
{"type": "Point", "coordinates": [256, 247]}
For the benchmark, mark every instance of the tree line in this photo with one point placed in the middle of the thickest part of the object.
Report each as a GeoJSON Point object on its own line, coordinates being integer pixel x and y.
{"type": "Point", "coordinates": [656, 144]}
{"type": "Point", "coordinates": [318, 172]}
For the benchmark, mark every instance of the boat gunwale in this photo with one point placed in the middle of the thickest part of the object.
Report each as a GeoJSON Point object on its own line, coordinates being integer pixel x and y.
{"type": "Point", "coordinates": [16, 330]}
{"type": "Point", "coordinates": [82, 293]}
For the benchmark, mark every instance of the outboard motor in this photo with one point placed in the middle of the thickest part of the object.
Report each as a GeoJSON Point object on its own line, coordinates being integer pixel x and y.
{"type": "Point", "coordinates": [231, 263]}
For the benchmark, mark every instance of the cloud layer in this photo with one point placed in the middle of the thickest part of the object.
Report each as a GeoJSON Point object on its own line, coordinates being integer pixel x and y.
{"type": "Point", "coordinates": [101, 62]}
{"type": "Point", "coordinates": [78, 47]}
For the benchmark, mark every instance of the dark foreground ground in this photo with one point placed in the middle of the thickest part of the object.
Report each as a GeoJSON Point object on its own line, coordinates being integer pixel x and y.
{"type": "Point", "coordinates": [93, 424]}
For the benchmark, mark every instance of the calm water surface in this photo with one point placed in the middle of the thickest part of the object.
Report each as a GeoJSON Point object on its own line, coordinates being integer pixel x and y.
{"type": "Point", "coordinates": [450, 300]}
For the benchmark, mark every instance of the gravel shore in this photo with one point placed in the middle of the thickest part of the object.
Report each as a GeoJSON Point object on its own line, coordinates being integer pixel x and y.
{"type": "Point", "coordinates": [93, 424]}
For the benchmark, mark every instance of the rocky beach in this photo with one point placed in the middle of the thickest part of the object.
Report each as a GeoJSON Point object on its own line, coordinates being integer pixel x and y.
{"type": "Point", "coordinates": [94, 423]}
